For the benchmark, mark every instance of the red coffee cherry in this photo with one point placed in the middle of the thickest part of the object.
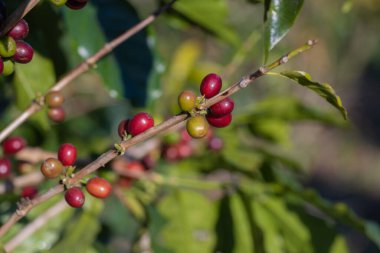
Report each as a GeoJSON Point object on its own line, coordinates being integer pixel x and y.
{"type": "Point", "coordinates": [197, 126]}
{"type": "Point", "coordinates": [29, 192]}
{"type": "Point", "coordinates": [1, 65]}
{"type": "Point", "coordinates": [222, 121]}
{"type": "Point", "coordinates": [51, 168]}
{"type": "Point", "coordinates": [187, 100]}
{"type": "Point", "coordinates": [5, 168]}
{"type": "Point", "coordinates": [56, 114]}
{"type": "Point", "coordinates": [24, 52]}
{"type": "Point", "coordinates": [67, 154]}
{"type": "Point", "coordinates": [223, 107]}
{"type": "Point", "coordinates": [14, 144]}
{"type": "Point", "coordinates": [54, 99]}
{"type": "Point", "coordinates": [122, 128]}
{"type": "Point", "coordinates": [99, 187]}
{"type": "Point", "coordinates": [75, 197]}
{"type": "Point", "coordinates": [20, 30]}
{"type": "Point", "coordinates": [211, 85]}
{"type": "Point", "coordinates": [140, 123]}
{"type": "Point", "coordinates": [76, 4]}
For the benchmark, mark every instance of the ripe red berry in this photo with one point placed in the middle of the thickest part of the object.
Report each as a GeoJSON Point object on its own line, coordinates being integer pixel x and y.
{"type": "Point", "coordinates": [197, 126]}
{"type": "Point", "coordinates": [67, 154]}
{"type": "Point", "coordinates": [29, 192]}
{"type": "Point", "coordinates": [76, 4]}
{"type": "Point", "coordinates": [14, 144]}
{"type": "Point", "coordinates": [54, 99]}
{"type": "Point", "coordinates": [211, 85]}
{"type": "Point", "coordinates": [75, 197]}
{"type": "Point", "coordinates": [56, 114]}
{"type": "Point", "coordinates": [5, 168]}
{"type": "Point", "coordinates": [99, 187]}
{"type": "Point", "coordinates": [1, 65]}
{"type": "Point", "coordinates": [51, 168]}
{"type": "Point", "coordinates": [221, 121]}
{"type": "Point", "coordinates": [140, 123]}
{"type": "Point", "coordinates": [187, 100]}
{"type": "Point", "coordinates": [223, 107]}
{"type": "Point", "coordinates": [24, 52]}
{"type": "Point", "coordinates": [20, 30]}
{"type": "Point", "coordinates": [122, 128]}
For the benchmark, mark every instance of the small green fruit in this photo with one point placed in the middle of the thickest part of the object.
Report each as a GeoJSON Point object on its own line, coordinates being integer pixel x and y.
{"type": "Point", "coordinates": [197, 126]}
{"type": "Point", "coordinates": [9, 67]}
{"type": "Point", "coordinates": [58, 2]}
{"type": "Point", "coordinates": [7, 47]}
{"type": "Point", "coordinates": [187, 100]}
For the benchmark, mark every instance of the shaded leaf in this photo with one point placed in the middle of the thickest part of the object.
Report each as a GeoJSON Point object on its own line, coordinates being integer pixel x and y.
{"type": "Point", "coordinates": [322, 89]}
{"type": "Point", "coordinates": [279, 19]}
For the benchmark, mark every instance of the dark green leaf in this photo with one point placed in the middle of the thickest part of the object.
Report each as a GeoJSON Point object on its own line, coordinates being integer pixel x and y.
{"type": "Point", "coordinates": [372, 231]}
{"type": "Point", "coordinates": [322, 89]}
{"type": "Point", "coordinates": [279, 19]}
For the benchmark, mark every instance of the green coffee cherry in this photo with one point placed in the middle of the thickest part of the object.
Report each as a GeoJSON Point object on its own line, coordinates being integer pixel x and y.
{"type": "Point", "coordinates": [197, 126]}
{"type": "Point", "coordinates": [58, 2]}
{"type": "Point", "coordinates": [7, 47]}
{"type": "Point", "coordinates": [9, 67]}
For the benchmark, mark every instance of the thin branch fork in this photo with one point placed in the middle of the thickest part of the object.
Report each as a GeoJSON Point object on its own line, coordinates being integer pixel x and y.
{"type": "Point", "coordinates": [37, 104]}
{"type": "Point", "coordinates": [171, 122]}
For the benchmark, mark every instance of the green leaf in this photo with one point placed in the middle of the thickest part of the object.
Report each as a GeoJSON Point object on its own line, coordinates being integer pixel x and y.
{"type": "Point", "coordinates": [372, 231]}
{"type": "Point", "coordinates": [33, 79]}
{"type": "Point", "coordinates": [210, 15]}
{"type": "Point", "coordinates": [322, 89]}
{"type": "Point", "coordinates": [279, 19]}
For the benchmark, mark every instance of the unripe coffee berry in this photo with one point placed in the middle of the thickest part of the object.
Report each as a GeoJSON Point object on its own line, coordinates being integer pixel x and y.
{"type": "Point", "coordinates": [14, 144]}
{"type": "Point", "coordinates": [7, 47]}
{"type": "Point", "coordinates": [24, 52]}
{"type": "Point", "coordinates": [76, 4]}
{"type": "Point", "coordinates": [211, 85]}
{"type": "Point", "coordinates": [9, 67]}
{"type": "Point", "coordinates": [75, 197]}
{"type": "Point", "coordinates": [56, 114]}
{"type": "Point", "coordinates": [5, 168]}
{"type": "Point", "coordinates": [187, 100]}
{"type": "Point", "coordinates": [140, 123]}
{"type": "Point", "coordinates": [54, 99]}
{"type": "Point", "coordinates": [223, 107]}
{"type": "Point", "coordinates": [99, 187]}
{"type": "Point", "coordinates": [197, 126]}
{"type": "Point", "coordinates": [122, 128]}
{"type": "Point", "coordinates": [58, 2]}
{"type": "Point", "coordinates": [51, 168]}
{"type": "Point", "coordinates": [221, 121]}
{"type": "Point", "coordinates": [20, 30]}
{"type": "Point", "coordinates": [67, 154]}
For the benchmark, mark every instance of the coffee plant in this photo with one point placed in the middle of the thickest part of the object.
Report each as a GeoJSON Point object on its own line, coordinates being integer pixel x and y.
{"type": "Point", "coordinates": [120, 135]}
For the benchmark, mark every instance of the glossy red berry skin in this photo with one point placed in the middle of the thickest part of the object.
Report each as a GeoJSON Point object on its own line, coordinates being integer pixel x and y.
{"type": "Point", "coordinates": [20, 30]}
{"type": "Point", "coordinates": [14, 144]}
{"type": "Point", "coordinates": [5, 168]}
{"type": "Point", "coordinates": [140, 123]}
{"type": "Point", "coordinates": [219, 122]}
{"type": "Point", "coordinates": [76, 4]}
{"type": "Point", "coordinates": [67, 154]}
{"type": "Point", "coordinates": [99, 187]}
{"type": "Point", "coordinates": [29, 192]}
{"type": "Point", "coordinates": [51, 168]}
{"type": "Point", "coordinates": [24, 52]}
{"type": "Point", "coordinates": [54, 99]}
{"type": "Point", "coordinates": [75, 197]}
{"type": "Point", "coordinates": [223, 107]}
{"type": "Point", "coordinates": [122, 129]}
{"type": "Point", "coordinates": [211, 85]}
{"type": "Point", "coordinates": [56, 114]}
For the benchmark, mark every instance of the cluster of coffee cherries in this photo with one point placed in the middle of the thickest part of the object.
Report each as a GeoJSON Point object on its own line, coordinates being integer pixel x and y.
{"type": "Point", "coordinates": [138, 124]}
{"type": "Point", "coordinates": [54, 101]}
{"type": "Point", "coordinates": [72, 4]}
{"type": "Point", "coordinates": [63, 167]}
{"type": "Point", "coordinates": [14, 49]}
{"type": "Point", "coordinates": [218, 115]}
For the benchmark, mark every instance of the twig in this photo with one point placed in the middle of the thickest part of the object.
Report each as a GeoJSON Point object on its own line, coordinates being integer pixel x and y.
{"type": "Point", "coordinates": [18, 14]}
{"type": "Point", "coordinates": [36, 224]}
{"type": "Point", "coordinates": [37, 104]}
{"type": "Point", "coordinates": [34, 155]}
{"type": "Point", "coordinates": [111, 154]}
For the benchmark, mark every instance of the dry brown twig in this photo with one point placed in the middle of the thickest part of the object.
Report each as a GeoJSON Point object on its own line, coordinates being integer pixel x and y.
{"type": "Point", "coordinates": [171, 122]}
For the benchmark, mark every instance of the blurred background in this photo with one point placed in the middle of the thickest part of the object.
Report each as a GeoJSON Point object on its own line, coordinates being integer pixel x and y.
{"type": "Point", "coordinates": [277, 126]}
